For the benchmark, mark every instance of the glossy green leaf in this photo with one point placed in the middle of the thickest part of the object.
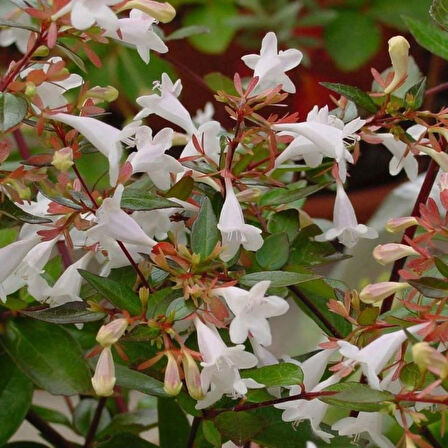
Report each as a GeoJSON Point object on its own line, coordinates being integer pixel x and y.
{"type": "Point", "coordinates": [281, 196]}
{"type": "Point", "coordinates": [239, 427]}
{"type": "Point", "coordinates": [51, 415]}
{"type": "Point", "coordinates": [211, 433]}
{"type": "Point", "coordinates": [277, 278]}
{"type": "Point", "coordinates": [116, 293]}
{"type": "Point", "coordinates": [416, 94]}
{"type": "Point", "coordinates": [354, 94]}
{"type": "Point", "coordinates": [187, 31]}
{"type": "Point", "coordinates": [283, 374]}
{"type": "Point", "coordinates": [134, 199]}
{"type": "Point", "coordinates": [274, 253]}
{"type": "Point", "coordinates": [180, 308]}
{"type": "Point", "coordinates": [69, 313]}
{"type": "Point", "coordinates": [182, 189]}
{"type": "Point", "coordinates": [133, 380]}
{"type": "Point", "coordinates": [217, 81]}
{"type": "Point", "coordinates": [441, 266]}
{"type": "Point", "coordinates": [126, 440]}
{"type": "Point", "coordinates": [285, 221]}
{"type": "Point", "coordinates": [429, 37]}
{"type": "Point", "coordinates": [16, 391]}
{"type": "Point", "coordinates": [48, 355]}
{"type": "Point", "coordinates": [12, 24]}
{"type": "Point", "coordinates": [13, 110]}
{"type": "Point", "coordinates": [434, 288]}
{"type": "Point", "coordinates": [439, 12]}
{"type": "Point", "coordinates": [174, 428]}
{"type": "Point", "coordinates": [8, 208]}
{"type": "Point", "coordinates": [135, 422]}
{"type": "Point", "coordinates": [205, 234]}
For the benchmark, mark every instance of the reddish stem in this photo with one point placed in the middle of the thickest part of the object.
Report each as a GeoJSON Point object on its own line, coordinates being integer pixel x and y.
{"type": "Point", "coordinates": [24, 151]}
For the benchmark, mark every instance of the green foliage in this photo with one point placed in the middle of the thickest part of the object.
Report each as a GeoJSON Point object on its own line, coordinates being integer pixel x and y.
{"type": "Point", "coordinates": [277, 278]}
{"type": "Point", "coordinates": [274, 253]}
{"type": "Point", "coordinates": [174, 428]}
{"type": "Point", "coordinates": [434, 288]}
{"type": "Point", "coordinates": [133, 380]}
{"type": "Point", "coordinates": [239, 427]}
{"type": "Point", "coordinates": [8, 208]}
{"type": "Point", "coordinates": [283, 374]}
{"type": "Point", "coordinates": [13, 109]}
{"type": "Point", "coordinates": [135, 199]}
{"type": "Point", "coordinates": [439, 12]}
{"type": "Point", "coordinates": [204, 234]}
{"type": "Point", "coordinates": [354, 94]}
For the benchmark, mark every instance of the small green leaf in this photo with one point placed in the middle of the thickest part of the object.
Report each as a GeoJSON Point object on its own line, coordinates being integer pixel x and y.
{"type": "Point", "coordinates": [429, 37]}
{"type": "Point", "coordinates": [136, 422]}
{"type": "Point", "coordinates": [239, 427]}
{"type": "Point", "coordinates": [283, 374]}
{"type": "Point", "coordinates": [285, 221]}
{"type": "Point", "coordinates": [13, 110]}
{"type": "Point", "coordinates": [133, 380]}
{"type": "Point", "coordinates": [416, 94]}
{"type": "Point", "coordinates": [182, 189]}
{"type": "Point", "coordinates": [187, 31]}
{"type": "Point", "coordinates": [204, 233]}
{"type": "Point", "coordinates": [116, 293]}
{"type": "Point", "coordinates": [180, 308]}
{"type": "Point", "coordinates": [8, 208]}
{"type": "Point", "coordinates": [72, 56]}
{"type": "Point", "coordinates": [354, 94]}
{"type": "Point", "coordinates": [134, 199]}
{"type": "Point", "coordinates": [126, 440]}
{"type": "Point", "coordinates": [16, 391]}
{"type": "Point", "coordinates": [439, 12]}
{"type": "Point", "coordinates": [211, 433]}
{"type": "Point", "coordinates": [368, 316]}
{"type": "Point", "coordinates": [69, 313]}
{"type": "Point", "coordinates": [12, 24]}
{"type": "Point", "coordinates": [174, 428]}
{"type": "Point", "coordinates": [217, 81]}
{"type": "Point", "coordinates": [281, 196]}
{"type": "Point", "coordinates": [441, 266]}
{"type": "Point", "coordinates": [274, 253]}
{"type": "Point", "coordinates": [51, 415]}
{"type": "Point", "coordinates": [357, 397]}
{"type": "Point", "coordinates": [434, 288]}
{"type": "Point", "coordinates": [49, 355]}
{"type": "Point", "coordinates": [277, 278]}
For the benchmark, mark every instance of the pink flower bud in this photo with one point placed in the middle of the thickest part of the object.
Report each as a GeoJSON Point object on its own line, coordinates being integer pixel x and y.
{"type": "Point", "coordinates": [388, 253]}
{"type": "Point", "coordinates": [103, 380]}
{"type": "Point", "coordinates": [192, 377]}
{"type": "Point", "coordinates": [428, 358]}
{"type": "Point", "coordinates": [172, 382]}
{"type": "Point", "coordinates": [109, 334]}
{"type": "Point", "coordinates": [63, 159]}
{"type": "Point", "coordinates": [379, 291]}
{"type": "Point", "coordinates": [395, 225]}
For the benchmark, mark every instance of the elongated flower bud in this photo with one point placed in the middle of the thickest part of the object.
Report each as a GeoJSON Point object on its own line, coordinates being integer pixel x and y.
{"type": "Point", "coordinates": [388, 253]}
{"type": "Point", "coordinates": [172, 383]}
{"type": "Point", "coordinates": [108, 93]}
{"type": "Point", "coordinates": [399, 55]}
{"type": "Point", "coordinates": [396, 225]}
{"type": "Point", "coordinates": [163, 12]}
{"type": "Point", "coordinates": [109, 334]}
{"type": "Point", "coordinates": [63, 159]}
{"type": "Point", "coordinates": [438, 156]}
{"type": "Point", "coordinates": [428, 358]}
{"type": "Point", "coordinates": [103, 380]}
{"type": "Point", "coordinates": [376, 292]}
{"type": "Point", "coordinates": [192, 377]}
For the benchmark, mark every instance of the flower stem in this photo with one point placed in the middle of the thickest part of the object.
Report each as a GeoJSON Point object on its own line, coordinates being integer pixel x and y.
{"type": "Point", "coordinates": [22, 145]}
{"type": "Point", "coordinates": [47, 431]}
{"type": "Point", "coordinates": [95, 422]}
{"type": "Point", "coordinates": [193, 431]}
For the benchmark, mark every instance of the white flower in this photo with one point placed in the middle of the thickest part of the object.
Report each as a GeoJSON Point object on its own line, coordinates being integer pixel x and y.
{"type": "Point", "coordinates": [115, 223]}
{"type": "Point", "coordinates": [251, 310]}
{"type": "Point", "coordinates": [18, 36]}
{"type": "Point", "coordinates": [150, 157]}
{"type": "Point", "coordinates": [208, 136]}
{"type": "Point", "coordinates": [270, 65]}
{"type": "Point", "coordinates": [204, 115]}
{"type": "Point", "coordinates": [400, 159]}
{"type": "Point", "coordinates": [234, 230]}
{"type": "Point", "coordinates": [102, 136]}
{"type": "Point", "coordinates": [221, 364]}
{"type": "Point", "coordinates": [313, 369]}
{"type": "Point", "coordinates": [137, 30]}
{"type": "Point", "coordinates": [346, 228]}
{"type": "Point", "coordinates": [85, 13]}
{"type": "Point", "coordinates": [369, 422]}
{"type": "Point", "coordinates": [166, 105]}
{"type": "Point", "coordinates": [374, 356]}
{"type": "Point", "coordinates": [329, 135]}
{"type": "Point", "coordinates": [52, 93]}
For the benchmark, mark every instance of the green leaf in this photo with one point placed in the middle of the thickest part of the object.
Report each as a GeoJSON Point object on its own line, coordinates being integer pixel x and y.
{"type": "Point", "coordinates": [439, 12]}
{"type": "Point", "coordinates": [126, 440]}
{"type": "Point", "coordinates": [174, 428]}
{"type": "Point", "coordinates": [13, 110]}
{"type": "Point", "coordinates": [49, 355]}
{"type": "Point", "coordinates": [277, 278]}
{"type": "Point", "coordinates": [354, 94]}
{"type": "Point", "coordinates": [434, 288]}
{"type": "Point", "coordinates": [281, 196]}
{"type": "Point", "coordinates": [182, 189]}
{"type": "Point", "coordinates": [204, 233]}
{"type": "Point", "coordinates": [24, 445]}
{"type": "Point", "coordinates": [84, 413]}
{"type": "Point", "coordinates": [352, 39]}
{"type": "Point", "coordinates": [72, 56]}
{"type": "Point", "coordinates": [8, 208]}
{"type": "Point", "coordinates": [16, 391]}
{"type": "Point", "coordinates": [274, 253]}
{"type": "Point", "coordinates": [357, 397]}
{"type": "Point", "coordinates": [368, 315]}
{"type": "Point", "coordinates": [239, 427]}
{"type": "Point", "coordinates": [285, 221]}
{"type": "Point", "coordinates": [217, 81]}
{"type": "Point", "coordinates": [134, 199]}
{"type": "Point", "coordinates": [214, 16]}
{"type": "Point", "coordinates": [133, 380]}
{"type": "Point", "coordinates": [180, 308]}
{"type": "Point", "coordinates": [429, 37]}
{"type": "Point", "coordinates": [116, 293]}
{"type": "Point", "coordinates": [135, 422]}
{"type": "Point", "coordinates": [51, 415]}
{"type": "Point", "coordinates": [441, 266]}
{"type": "Point", "coordinates": [69, 313]}
{"type": "Point", "coordinates": [159, 301]}
{"type": "Point", "coordinates": [416, 94]}
{"type": "Point", "coordinates": [12, 24]}
{"type": "Point", "coordinates": [211, 433]}
{"type": "Point", "coordinates": [283, 374]}
{"type": "Point", "coordinates": [187, 31]}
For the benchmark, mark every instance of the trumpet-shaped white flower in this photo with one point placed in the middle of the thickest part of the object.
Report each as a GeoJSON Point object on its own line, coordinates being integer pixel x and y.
{"type": "Point", "coordinates": [150, 157]}
{"type": "Point", "coordinates": [137, 30]}
{"type": "Point", "coordinates": [323, 134]}
{"type": "Point", "coordinates": [166, 104]}
{"type": "Point", "coordinates": [313, 369]}
{"type": "Point", "coordinates": [369, 422]}
{"type": "Point", "coordinates": [252, 309]}
{"type": "Point", "coordinates": [204, 115]}
{"type": "Point", "coordinates": [400, 159]}
{"type": "Point", "coordinates": [208, 136]}
{"type": "Point", "coordinates": [220, 367]}
{"type": "Point", "coordinates": [270, 65]}
{"type": "Point", "coordinates": [374, 356]}
{"type": "Point", "coordinates": [18, 36]}
{"type": "Point", "coordinates": [115, 223]}
{"type": "Point", "coordinates": [235, 232]}
{"type": "Point", "coordinates": [346, 228]}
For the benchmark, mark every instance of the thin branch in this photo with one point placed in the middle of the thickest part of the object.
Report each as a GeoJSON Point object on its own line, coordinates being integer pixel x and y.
{"type": "Point", "coordinates": [47, 431]}
{"type": "Point", "coordinates": [193, 431]}
{"type": "Point", "coordinates": [22, 145]}
{"type": "Point", "coordinates": [437, 89]}
{"type": "Point", "coordinates": [90, 437]}
{"type": "Point", "coordinates": [429, 436]}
